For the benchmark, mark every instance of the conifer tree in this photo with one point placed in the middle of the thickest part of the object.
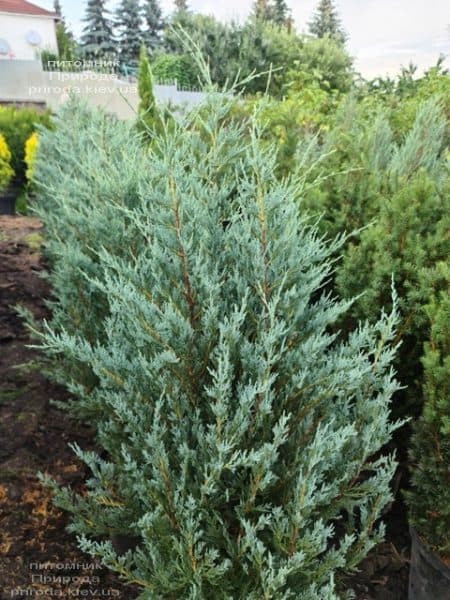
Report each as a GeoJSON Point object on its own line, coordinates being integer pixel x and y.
{"type": "Point", "coordinates": [57, 8]}
{"type": "Point", "coordinates": [148, 111]}
{"type": "Point", "coordinates": [64, 37]}
{"type": "Point", "coordinates": [94, 139]}
{"type": "Point", "coordinates": [280, 13]}
{"type": "Point", "coordinates": [429, 507]}
{"type": "Point", "coordinates": [129, 26]}
{"type": "Point", "coordinates": [326, 22]}
{"type": "Point", "coordinates": [242, 438]}
{"type": "Point", "coordinates": [262, 10]}
{"type": "Point", "coordinates": [154, 24]}
{"type": "Point", "coordinates": [181, 6]}
{"type": "Point", "coordinates": [407, 192]}
{"type": "Point", "coordinates": [97, 40]}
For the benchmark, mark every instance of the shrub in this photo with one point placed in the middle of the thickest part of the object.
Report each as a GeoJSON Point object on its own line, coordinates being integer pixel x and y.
{"type": "Point", "coordinates": [168, 68]}
{"type": "Point", "coordinates": [31, 146]}
{"type": "Point", "coordinates": [239, 433]}
{"type": "Point", "coordinates": [289, 123]}
{"type": "Point", "coordinates": [428, 508]}
{"type": "Point", "coordinates": [409, 239]}
{"type": "Point", "coordinates": [404, 96]}
{"type": "Point", "coordinates": [16, 125]}
{"type": "Point", "coordinates": [323, 60]}
{"type": "Point", "coordinates": [93, 148]}
{"type": "Point", "coordinates": [6, 171]}
{"type": "Point", "coordinates": [148, 111]}
{"type": "Point", "coordinates": [89, 211]}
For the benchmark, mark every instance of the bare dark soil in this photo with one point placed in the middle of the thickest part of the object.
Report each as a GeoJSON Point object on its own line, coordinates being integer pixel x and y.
{"type": "Point", "coordinates": [38, 558]}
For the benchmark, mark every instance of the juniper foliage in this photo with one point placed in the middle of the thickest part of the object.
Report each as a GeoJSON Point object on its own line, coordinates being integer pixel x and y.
{"type": "Point", "coordinates": [94, 149]}
{"type": "Point", "coordinates": [239, 434]}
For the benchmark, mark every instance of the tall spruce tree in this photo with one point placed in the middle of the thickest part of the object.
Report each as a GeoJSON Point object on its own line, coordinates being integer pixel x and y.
{"type": "Point", "coordinates": [181, 6]}
{"type": "Point", "coordinates": [243, 439]}
{"type": "Point", "coordinates": [281, 14]}
{"type": "Point", "coordinates": [262, 10]}
{"type": "Point", "coordinates": [97, 40]}
{"type": "Point", "coordinates": [129, 26]}
{"type": "Point", "coordinates": [326, 22]}
{"type": "Point", "coordinates": [57, 8]}
{"type": "Point", "coordinates": [154, 24]}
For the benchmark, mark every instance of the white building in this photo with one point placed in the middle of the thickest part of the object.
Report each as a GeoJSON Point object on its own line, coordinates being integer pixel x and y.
{"type": "Point", "coordinates": [25, 30]}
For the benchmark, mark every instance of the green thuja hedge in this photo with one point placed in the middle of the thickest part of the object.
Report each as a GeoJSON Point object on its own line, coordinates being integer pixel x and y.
{"type": "Point", "coordinates": [241, 439]}
{"type": "Point", "coordinates": [85, 207]}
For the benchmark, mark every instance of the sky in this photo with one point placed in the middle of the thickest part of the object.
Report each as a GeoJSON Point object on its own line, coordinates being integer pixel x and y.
{"type": "Point", "coordinates": [383, 34]}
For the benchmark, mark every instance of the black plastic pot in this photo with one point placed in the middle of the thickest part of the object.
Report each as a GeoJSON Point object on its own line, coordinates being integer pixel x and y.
{"type": "Point", "coordinates": [429, 577]}
{"type": "Point", "coordinates": [8, 201]}
{"type": "Point", "coordinates": [123, 543]}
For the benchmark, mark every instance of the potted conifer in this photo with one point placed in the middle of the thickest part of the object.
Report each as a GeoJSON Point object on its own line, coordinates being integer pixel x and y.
{"type": "Point", "coordinates": [429, 499]}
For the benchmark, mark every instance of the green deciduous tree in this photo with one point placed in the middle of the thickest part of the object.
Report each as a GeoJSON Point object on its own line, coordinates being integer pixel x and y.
{"type": "Point", "coordinates": [324, 61]}
{"type": "Point", "coordinates": [179, 68]}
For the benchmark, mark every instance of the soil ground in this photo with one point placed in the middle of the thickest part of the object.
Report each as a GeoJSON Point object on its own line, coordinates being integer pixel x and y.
{"type": "Point", "coordinates": [38, 558]}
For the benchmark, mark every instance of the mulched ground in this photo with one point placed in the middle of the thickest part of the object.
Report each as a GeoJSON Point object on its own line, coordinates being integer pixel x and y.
{"type": "Point", "coordinates": [38, 558]}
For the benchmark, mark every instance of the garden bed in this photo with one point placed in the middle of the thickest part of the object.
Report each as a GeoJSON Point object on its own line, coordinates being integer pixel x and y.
{"type": "Point", "coordinates": [35, 437]}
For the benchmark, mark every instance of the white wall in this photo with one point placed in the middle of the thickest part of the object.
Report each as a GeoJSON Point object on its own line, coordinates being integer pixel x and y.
{"type": "Point", "coordinates": [14, 29]}
{"type": "Point", "coordinates": [26, 82]}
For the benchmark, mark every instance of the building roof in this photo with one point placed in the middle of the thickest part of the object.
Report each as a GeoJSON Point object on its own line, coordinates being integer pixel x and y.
{"type": "Point", "coordinates": [22, 7]}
